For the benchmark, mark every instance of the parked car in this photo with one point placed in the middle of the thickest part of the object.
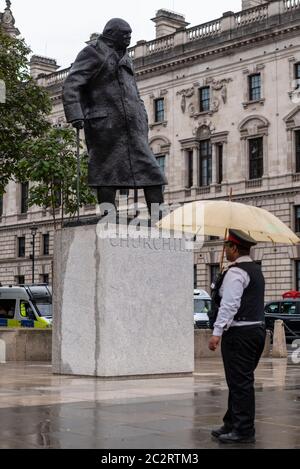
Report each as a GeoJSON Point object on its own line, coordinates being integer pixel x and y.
{"type": "Point", "coordinates": [26, 306]}
{"type": "Point", "coordinates": [202, 306]}
{"type": "Point", "coordinates": [288, 310]}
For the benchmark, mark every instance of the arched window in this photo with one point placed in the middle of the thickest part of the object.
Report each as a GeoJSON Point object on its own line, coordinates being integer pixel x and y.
{"type": "Point", "coordinates": [254, 132]}
{"type": "Point", "coordinates": [160, 147]}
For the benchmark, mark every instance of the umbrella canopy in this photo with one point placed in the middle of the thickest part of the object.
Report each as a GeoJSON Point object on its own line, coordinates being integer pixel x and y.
{"type": "Point", "coordinates": [213, 218]}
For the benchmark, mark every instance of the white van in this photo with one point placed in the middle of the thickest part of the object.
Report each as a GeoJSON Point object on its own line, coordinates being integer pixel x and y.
{"type": "Point", "coordinates": [26, 306]}
{"type": "Point", "coordinates": [202, 306]}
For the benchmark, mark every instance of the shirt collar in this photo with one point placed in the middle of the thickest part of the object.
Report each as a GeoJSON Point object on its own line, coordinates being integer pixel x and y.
{"type": "Point", "coordinates": [243, 259]}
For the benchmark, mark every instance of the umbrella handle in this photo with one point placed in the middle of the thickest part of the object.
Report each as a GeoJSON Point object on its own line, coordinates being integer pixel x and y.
{"type": "Point", "coordinates": [223, 252]}
{"type": "Point", "coordinates": [226, 233]}
{"type": "Point", "coordinates": [78, 172]}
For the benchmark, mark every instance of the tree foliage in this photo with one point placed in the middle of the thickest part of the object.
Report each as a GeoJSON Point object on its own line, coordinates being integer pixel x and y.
{"type": "Point", "coordinates": [30, 149]}
{"type": "Point", "coordinates": [50, 163]}
{"type": "Point", "coordinates": [24, 114]}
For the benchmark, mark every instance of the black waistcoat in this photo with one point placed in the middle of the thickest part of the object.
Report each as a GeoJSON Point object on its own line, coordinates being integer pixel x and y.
{"type": "Point", "coordinates": [252, 302]}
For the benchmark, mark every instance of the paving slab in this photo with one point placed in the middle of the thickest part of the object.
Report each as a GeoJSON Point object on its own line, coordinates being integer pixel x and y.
{"type": "Point", "coordinates": [41, 410]}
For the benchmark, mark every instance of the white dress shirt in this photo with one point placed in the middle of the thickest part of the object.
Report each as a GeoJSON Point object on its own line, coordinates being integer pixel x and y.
{"type": "Point", "coordinates": [235, 282]}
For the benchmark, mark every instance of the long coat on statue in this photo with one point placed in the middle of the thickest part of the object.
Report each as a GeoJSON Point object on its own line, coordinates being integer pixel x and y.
{"type": "Point", "coordinates": [101, 89]}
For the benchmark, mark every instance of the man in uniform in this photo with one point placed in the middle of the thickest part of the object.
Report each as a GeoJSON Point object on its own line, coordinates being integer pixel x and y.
{"type": "Point", "coordinates": [240, 323]}
{"type": "Point", "coordinates": [101, 95]}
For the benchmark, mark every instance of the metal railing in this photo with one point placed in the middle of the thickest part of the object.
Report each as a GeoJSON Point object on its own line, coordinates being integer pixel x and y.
{"type": "Point", "coordinates": [161, 44]}
{"type": "Point", "coordinates": [253, 15]}
{"type": "Point", "coordinates": [210, 29]}
{"type": "Point", "coordinates": [56, 77]}
{"type": "Point", "coordinates": [131, 52]}
{"type": "Point", "coordinates": [203, 190]}
{"type": "Point", "coordinates": [253, 183]}
{"type": "Point", "coordinates": [291, 4]}
{"type": "Point", "coordinates": [296, 177]}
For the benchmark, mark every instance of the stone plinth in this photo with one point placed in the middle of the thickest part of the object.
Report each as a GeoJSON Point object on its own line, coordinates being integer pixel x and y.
{"type": "Point", "coordinates": [22, 344]}
{"type": "Point", "coordinates": [122, 307]}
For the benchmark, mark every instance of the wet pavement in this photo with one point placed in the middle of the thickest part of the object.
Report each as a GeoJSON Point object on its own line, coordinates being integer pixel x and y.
{"type": "Point", "coordinates": [41, 410]}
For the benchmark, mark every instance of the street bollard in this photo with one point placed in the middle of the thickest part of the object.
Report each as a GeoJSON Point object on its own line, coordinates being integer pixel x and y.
{"type": "Point", "coordinates": [2, 351]}
{"type": "Point", "coordinates": [279, 341]}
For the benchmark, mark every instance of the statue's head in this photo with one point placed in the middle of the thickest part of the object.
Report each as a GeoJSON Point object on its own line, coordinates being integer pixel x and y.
{"type": "Point", "coordinates": [119, 32]}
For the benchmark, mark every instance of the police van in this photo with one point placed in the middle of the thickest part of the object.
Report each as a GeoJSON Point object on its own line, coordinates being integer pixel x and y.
{"type": "Point", "coordinates": [202, 308]}
{"type": "Point", "coordinates": [26, 306]}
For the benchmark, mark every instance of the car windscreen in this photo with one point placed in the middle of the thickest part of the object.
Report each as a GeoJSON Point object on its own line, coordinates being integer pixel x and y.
{"type": "Point", "coordinates": [44, 308]}
{"type": "Point", "coordinates": [202, 306]}
{"type": "Point", "coordinates": [288, 308]}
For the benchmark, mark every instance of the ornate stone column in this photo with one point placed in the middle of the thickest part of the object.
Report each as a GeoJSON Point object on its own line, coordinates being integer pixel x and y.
{"type": "Point", "coordinates": [214, 164]}
{"type": "Point", "coordinates": [184, 168]}
{"type": "Point", "coordinates": [195, 167]}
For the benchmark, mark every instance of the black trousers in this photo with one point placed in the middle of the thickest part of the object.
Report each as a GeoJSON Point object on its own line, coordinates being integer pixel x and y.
{"type": "Point", "coordinates": [153, 195]}
{"type": "Point", "coordinates": [241, 348]}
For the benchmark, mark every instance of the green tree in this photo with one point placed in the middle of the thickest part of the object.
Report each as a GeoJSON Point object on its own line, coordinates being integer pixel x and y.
{"type": "Point", "coordinates": [23, 116]}
{"type": "Point", "coordinates": [50, 162]}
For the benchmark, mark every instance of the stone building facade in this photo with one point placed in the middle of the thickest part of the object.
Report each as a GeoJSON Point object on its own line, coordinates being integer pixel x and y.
{"type": "Point", "coordinates": [224, 115]}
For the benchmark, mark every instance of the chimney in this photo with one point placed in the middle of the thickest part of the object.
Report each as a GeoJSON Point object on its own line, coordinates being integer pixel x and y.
{"type": "Point", "coordinates": [252, 3]}
{"type": "Point", "coordinates": [42, 66]}
{"type": "Point", "coordinates": [167, 22]}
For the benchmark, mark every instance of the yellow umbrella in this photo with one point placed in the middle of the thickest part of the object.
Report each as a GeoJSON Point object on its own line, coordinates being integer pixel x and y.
{"type": "Point", "coordinates": [213, 218]}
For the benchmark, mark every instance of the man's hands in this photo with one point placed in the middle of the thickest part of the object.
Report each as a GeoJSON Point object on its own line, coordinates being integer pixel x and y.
{"type": "Point", "coordinates": [214, 343]}
{"type": "Point", "coordinates": [79, 124]}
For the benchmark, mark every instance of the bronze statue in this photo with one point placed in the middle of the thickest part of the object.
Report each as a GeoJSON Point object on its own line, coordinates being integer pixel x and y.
{"type": "Point", "coordinates": [100, 95]}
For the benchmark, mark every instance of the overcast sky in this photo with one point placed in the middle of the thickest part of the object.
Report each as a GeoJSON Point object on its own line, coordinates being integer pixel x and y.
{"type": "Point", "coordinates": [59, 28]}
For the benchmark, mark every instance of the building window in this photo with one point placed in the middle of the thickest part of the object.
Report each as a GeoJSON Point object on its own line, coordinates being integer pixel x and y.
{"type": "Point", "coordinates": [298, 275]}
{"type": "Point", "coordinates": [195, 276]}
{"type": "Point", "coordinates": [46, 244]}
{"type": "Point", "coordinates": [204, 99]}
{"type": "Point", "coordinates": [21, 246]}
{"type": "Point", "coordinates": [159, 105]}
{"type": "Point", "coordinates": [161, 160]}
{"type": "Point", "coordinates": [24, 197]}
{"type": "Point", "coordinates": [1, 205]}
{"type": "Point", "coordinates": [20, 280]}
{"type": "Point", "coordinates": [214, 272]}
{"type": "Point", "coordinates": [219, 164]}
{"type": "Point", "coordinates": [205, 163]}
{"type": "Point", "coordinates": [45, 279]}
{"type": "Point", "coordinates": [58, 199]}
{"type": "Point", "coordinates": [297, 75]}
{"type": "Point", "coordinates": [297, 145]}
{"type": "Point", "coordinates": [297, 219]}
{"type": "Point", "coordinates": [255, 87]}
{"type": "Point", "coordinates": [256, 158]}
{"type": "Point", "coordinates": [190, 169]}
{"type": "Point", "coordinates": [124, 192]}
